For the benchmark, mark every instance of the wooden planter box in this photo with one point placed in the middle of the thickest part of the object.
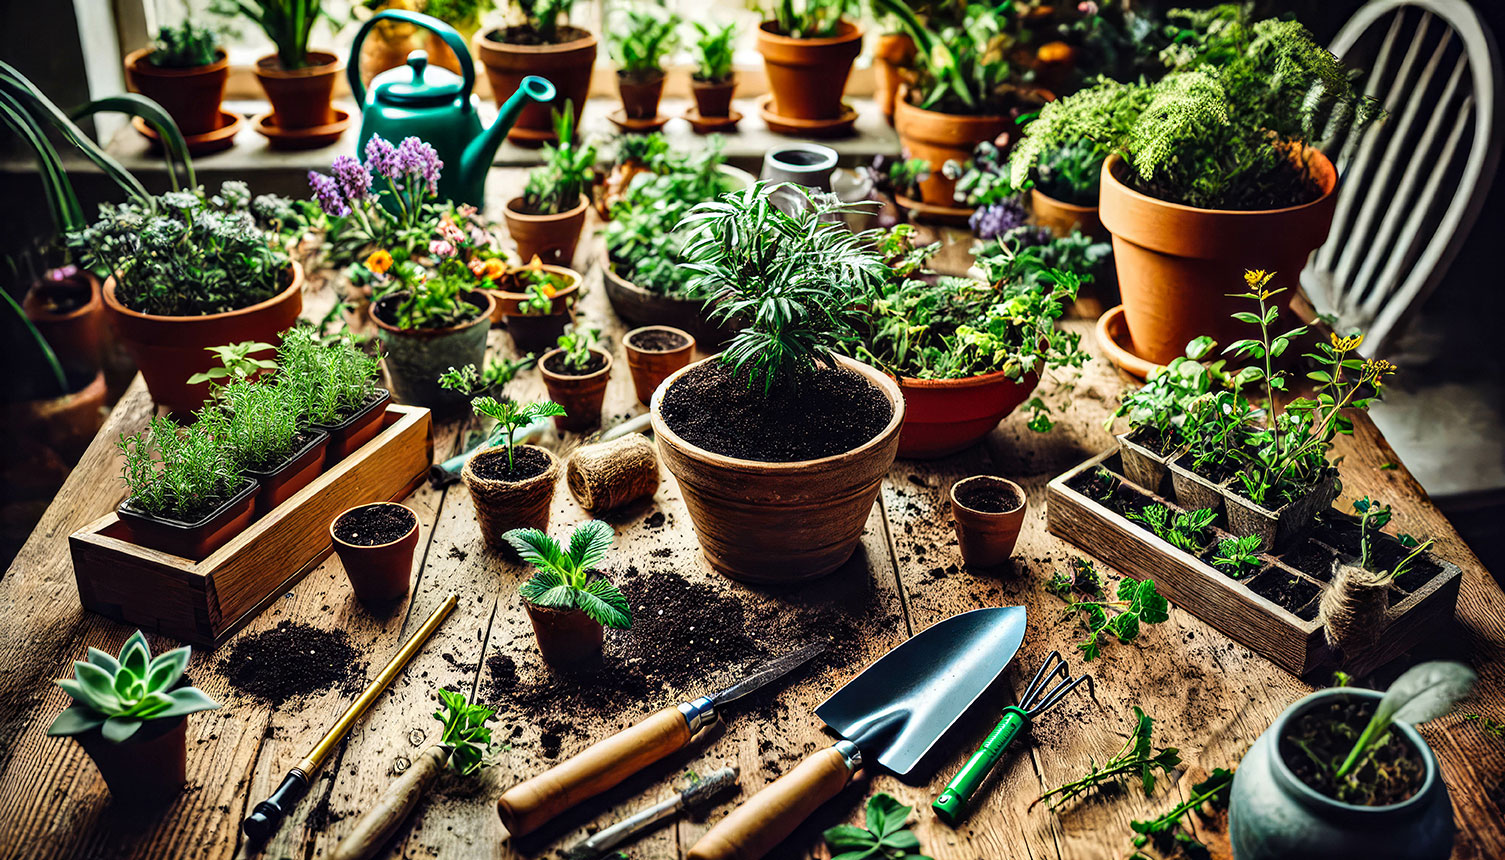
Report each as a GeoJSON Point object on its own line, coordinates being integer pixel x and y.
{"type": "Point", "coordinates": [1288, 636]}
{"type": "Point", "coordinates": [204, 602]}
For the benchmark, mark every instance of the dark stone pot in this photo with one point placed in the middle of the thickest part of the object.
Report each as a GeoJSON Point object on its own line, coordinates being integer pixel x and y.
{"type": "Point", "coordinates": [416, 357]}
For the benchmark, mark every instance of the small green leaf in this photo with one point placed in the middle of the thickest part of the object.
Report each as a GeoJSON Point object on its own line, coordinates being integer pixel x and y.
{"type": "Point", "coordinates": [120, 729]}
{"type": "Point", "coordinates": [848, 837]}
{"type": "Point", "coordinates": [76, 720]}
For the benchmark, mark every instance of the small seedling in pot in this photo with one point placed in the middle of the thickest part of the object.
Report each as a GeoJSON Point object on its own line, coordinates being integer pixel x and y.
{"type": "Point", "coordinates": [118, 695]}
{"type": "Point", "coordinates": [577, 344]}
{"type": "Point", "coordinates": [1373, 517]}
{"type": "Point", "coordinates": [1237, 556]}
{"type": "Point", "coordinates": [568, 170]}
{"type": "Point", "coordinates": [640, 38]}
{"type": "Point", "coordinates": [712, 52]}
{"type": "Point", "coordinates": [1353, 609]}
{"type": "Point", "coordinates": [1169, 833]}
{"type": "Point", "coordinates": [886, 837]}
{"type": "Point", "coordinates": [1185, 530]}
{"type": "Point", "coordinates": [499, 371]}
{"type": "Point", "coordinates": [1137, 759]}
{"type": "Point", "coordinates": [1138, 603]}
{"type": "Point", "coordinates": [511, 415]}
{"type": "Point", "coordinates": [564, 578]}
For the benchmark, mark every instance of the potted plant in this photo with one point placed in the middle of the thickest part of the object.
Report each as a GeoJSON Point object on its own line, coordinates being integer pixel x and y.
{"type": "Point", "coordinates": [298, 82]}
{"type": "Point", "coordinates": [335, 383]}
{"type": "Point", "coordinates": [129, 713]}
{"type": "Point", "coordinates": [513, 286]}
{"type": "Point", "coordinates": [535, 326]}
{"type": "Point", "coordinates": [511, 485]}
{"type": "Point", "coordinates": [64, 304]}
{"type": "Point", "coordinates": [543, 44]}
{"type": "Point", "coordinates": [576, 373]}
{"type": "Point", "coordinates": [1352, 610]}
{"type": "Point", "coordinates": [713, 81]}
{"type": "Point", "coordinates": [654, 352]}
{"type": "Point", "coordinates": [268, 439]}
{"type": "Point", "coordinates": [545, 221]}
{"type": "Point", "coordinates": [987, 512]}
{"type": "Point", "coordinates": [1344, 773]}
{"type": "Point", "coordinates": [1189, 201]}
{"type": "Point", "coordinates": [779, 445]}
{"type": "Point", "coordinates": [375, 544]}
{"type": "Point", "coordinates": [808, 48]}
{"type": "Point", "coordinates": [639, 38]}
{"type": "Point", "coordinates": [184, 70]}
{"type": "Point", "coordinates": [1157, 413]}
{"type": "Point", "coordinates": [464, 16]}
{"type": "Point", "coordinates": [1217, 430]}
{"type": "Point", "coordinates": [187, 497]}
{"type": "Point", "coordinates": [570, 601]}
{"type": "Point", "coordinates": [45, 404]}
{"type": "Point", "coordinates": [1064, 195]}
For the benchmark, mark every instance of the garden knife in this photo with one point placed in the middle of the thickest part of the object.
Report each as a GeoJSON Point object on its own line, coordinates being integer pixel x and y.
{"type": "Point", "coordinates": [697, 794]}
{"type": "Point", "coordinates": [527, 806]}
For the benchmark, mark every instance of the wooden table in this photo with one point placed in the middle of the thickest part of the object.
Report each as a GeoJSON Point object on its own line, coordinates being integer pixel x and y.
{"type": "Point", "coordinates": [1211, 697]}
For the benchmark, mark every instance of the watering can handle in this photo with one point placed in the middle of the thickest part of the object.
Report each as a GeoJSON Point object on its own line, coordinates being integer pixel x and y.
{"type": "Point", "coordinates": [952, 804]}
{"type": "Point", "coordinates": [444, 31]}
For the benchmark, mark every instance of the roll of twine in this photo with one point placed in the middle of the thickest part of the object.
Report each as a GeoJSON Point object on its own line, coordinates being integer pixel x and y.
{"type": "Point", "coordinates": [1353, 608]}
{"type": "Point", "coordinates": [608, 475]}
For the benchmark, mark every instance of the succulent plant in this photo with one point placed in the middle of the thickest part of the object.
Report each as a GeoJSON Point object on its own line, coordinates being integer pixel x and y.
{"type": "Point", "coordinates": [118, 695]}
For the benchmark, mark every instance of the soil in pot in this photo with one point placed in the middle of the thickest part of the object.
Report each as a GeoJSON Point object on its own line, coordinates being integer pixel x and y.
{"type": "Point", "coordinates": [375, 543]}
{"type": "Point", "coordinates": [990, 497]}
{"type": "Point", "coordinates": [1327, 732]}
{"type": "Point", "coordinates": [1339, 532]}
{"type": "Point", "coordinates": [509, 496]}
{"type": "Point", "coordinates": [536, 333]}
{"type": "Point", "coordinates": [526, 463]}
{"type": "Point", "coordinates": [1312, 559]}
{"type": "Point", "coordinates": [371, 525]}
{"type": "Point", "coordinates": [1291, 593]}
{"type": "Point", "coordinates": [293, 660]}
{"type": "Point", "coordinates": [556, 364]}
{"type": "Point", "coordinates": [658, 340]}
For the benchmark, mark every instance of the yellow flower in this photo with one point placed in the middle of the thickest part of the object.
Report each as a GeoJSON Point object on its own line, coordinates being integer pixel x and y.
{"type": "Point", "coordinates": [379, 262]}
{"type": "Point", "coordinates": [494, 268]}
{"type": "Point", "coordinates": [1378, 368]}
{"type": "Point", "coordinates": [1256, 278]}
{"type": "Point", "coordinates": [1346, 344]}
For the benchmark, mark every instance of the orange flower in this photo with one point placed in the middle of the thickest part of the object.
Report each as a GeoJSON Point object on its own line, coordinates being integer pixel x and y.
{"type": "Point", "coordinates": [478, 268]}
{"type": "Point", "coordinates": [494, 268]}
{"type": "Point", "coordinates": [548, 289]}
{"type": "Point", "coordinates": [379, 262]}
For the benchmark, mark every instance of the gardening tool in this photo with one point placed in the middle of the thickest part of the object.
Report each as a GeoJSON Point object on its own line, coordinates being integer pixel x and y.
{"type": "Point", "coordinates": [952, 803]}
{"type": "Point", "coordinates": [698, 792]}
{"type": "Point", "coordinates": [888, 716]}
{"type": "Point", "coordinates": [527, 806]}
{"type": "Point", "coordinates": [448, 472]}
{"type": "Point", "coordinates": [268, 814]}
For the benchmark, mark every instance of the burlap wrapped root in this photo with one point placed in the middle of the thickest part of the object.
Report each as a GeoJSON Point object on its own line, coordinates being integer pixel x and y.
{"type": "Point", "coordinates": [1353, 608]}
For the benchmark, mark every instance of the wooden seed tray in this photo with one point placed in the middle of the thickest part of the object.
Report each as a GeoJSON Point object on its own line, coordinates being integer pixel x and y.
{"type": "Point", "coordinates": [1287, 635]}
{"type": "Point", "coordinates": [205, 602]}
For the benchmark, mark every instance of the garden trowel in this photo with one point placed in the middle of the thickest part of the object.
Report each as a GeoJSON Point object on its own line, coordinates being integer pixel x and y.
{"type": "Point", "coordinates": [889, 716]}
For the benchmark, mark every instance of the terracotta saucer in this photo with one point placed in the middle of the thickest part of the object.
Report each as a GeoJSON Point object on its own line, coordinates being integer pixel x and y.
{"type": "Point", "coordinates": [837, 127]}
{"type": "Point", "coordinates": [956, 216]}
{"type": "Point", "coordinates": [300, 138]}
{"type": "Point", "coordinates": [1113, 337]}
{"type": "Point", "coordinates": [218, 140]}
{"type": "Point", "coordinates": [619, 119]}
{"type": "Point", "coordinates": [708, 124]}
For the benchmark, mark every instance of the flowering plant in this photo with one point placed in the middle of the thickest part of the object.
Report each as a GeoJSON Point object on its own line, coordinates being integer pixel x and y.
{"type": "Point", "coordinates": [389, 199]}
{"type": "Point", "coordinates": [430, 296]}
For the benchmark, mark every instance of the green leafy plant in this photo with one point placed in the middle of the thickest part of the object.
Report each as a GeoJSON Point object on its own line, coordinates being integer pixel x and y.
{"type": "Point", "coordinates": [498, 372]}
{"type": "Point", "coordinates": [177, 473]}
{"type": "Point", "coordinates": [577, 344]}
{"type": "Point", "coordinates": [1083, 577]}
{"type": "Point", "coordinates": [712, 52]}
{"type": "Point", "coordinates": [465, 731]}
{"type": "Point", "coordinates": [1158, 409]}
{"type": "Point", "coordinates": [1138, 603]}
{"type": "Point", "coordinates": [1492, 727]}
{"type": "Point", "coordinates": [1169, 833]}
{"type": "Point", "coordinates": [510, 415]}
{"type": "Point", "coordinates": [640, 37]}
{"type": "Point", "coordinates": [536, 301]}
{"type": "Point", "coordinates": [1373, 517]}
{"type": "Point", "coordinates": [1185, 530]}
{"type": "Point", "coordinates": [808, 19]}
{"type": "Point", "coordinates": [287, 23]}
{"type": "Point", "coordinates": [237, 363]}
{"type": "Point", "coordinates": [185, 45]}
{"type": "Point", "coordinates": [564, 580]}
{"type": "Point", "coordinates": [1422, 693]}
{"type": "Point", "coordinates": [331, 379]}
{"type": "Point", "coordinates": [1237, 556]}
{"type": "Point", "coordinates": [961, 64]}
{"type": "Point", "coordinates": [567, 172]}
{"type": "Point", "coordinates": [463, 15]}
{"type": "Point", "coordinates": [1071, 173]}
{"type": "Point", "coordinates": [543, 17]}
{"type": "Point", "coordinates": [117, 695]}
{"type": "Point", "coordinates": [1217, 431]}
{"type": "Point", "coordinates": [1137, 759]}
{"type": "Point", "coordinates": [258, 422]}
{"type": "Point", "coordinates": [886, 837]}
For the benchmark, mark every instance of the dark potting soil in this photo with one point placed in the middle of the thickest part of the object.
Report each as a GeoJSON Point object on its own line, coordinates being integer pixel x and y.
{"type": "Point", "coordinates": [1312, 559]}
{"type": "Point", "coordinates": [1419, 570]}
{"type": "Point", "coordinates": [555, 364]}
{"type": "Point", "coordinates": [1291, 593]}
{"type": "Point", "coordinates": [292, 660]}
{"type": "Point", "coordinates": [1156, 441]}
{"type": "Point", "coordinates": [831, 412]}
{"type": "Point", "coordinates": [277, 461]}
{"type": "Point", "coordinates": [373, 525]}
{"type": "Point", "coordinates": [990, 497]}
{"type": "Point", "coordinates": [529, 36]}
{"type": "Point", "coordinates": [1339, 532]}
{"type": "Point", "coordinates": [1328, 731]}
{"type": "Point", "coordinates": [526, 463]}
{"type": "Point", "coordinates": [658, 340]}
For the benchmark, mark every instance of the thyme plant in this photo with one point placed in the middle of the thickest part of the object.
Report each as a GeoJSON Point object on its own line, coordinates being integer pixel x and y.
{"type": "Point", "coordinates": [563, 578]}
{"type": "Point", "coordinates": [258, 422]}
{"type": "Point", "coordinates": [331, 379]}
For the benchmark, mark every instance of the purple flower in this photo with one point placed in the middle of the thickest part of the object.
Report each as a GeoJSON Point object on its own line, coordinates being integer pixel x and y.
{"type": "Point", "coordinates": [353, 178]}
{"type": "Point", "coordinates": [416, 157]}
{"type": "Point", "coordinates": [327, 192]}
{"type": "Point", "coordinates": [381, 158]}
{"type": "Point", "coordinates": [992, 221]}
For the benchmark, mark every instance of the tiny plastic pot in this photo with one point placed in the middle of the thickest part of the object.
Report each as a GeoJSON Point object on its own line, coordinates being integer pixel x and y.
{"type": "Point", "coordinates": [1284, 527]}
{"type": "Point", "coordinates": [1192, 491]}
{"type": "Point", "coordinates": [505, 505]}
{"type": "Point", "coordinates": [293, 474]}
{"type": "Point", "coordinates": [346, 437]}
{"type": "Point", "coordinates": [150, 766]}
{"type": "Point", "coordinates": [987, 538]}
{"type": "Point", "coordinates": [567, 638]}
{"type": "Point", "coordinates": [581, 396]}
{"type": "Point", "coordinates": [537, 333]}
{"type": "Point", "coordinates": [194, 540]}
{"type": "Point", "coordinates": [379, 573]}
{"type": "Point", "coordinates": [1142, 465]}
{"type": "Point", "coordinates": [650, 367]}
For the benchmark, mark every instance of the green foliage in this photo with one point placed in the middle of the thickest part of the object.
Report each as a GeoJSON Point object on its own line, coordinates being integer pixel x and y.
{"type": "Point", "coordinates": [712, 52]}
{"type": "Point", "coordinates": [1217, 432]}
{"type": "Point", "coordinates": [563, 578]}
{"type": "Point", "coordinates": [1373, 517]}
{"type": "Point", "coordinates": [1071, 172]}
{"type": "Point", "coordinates": [430, 298]}
{"type": "Point", "coordinates": [257, 421]}
{"type": "Point", "coordinates": [961, 65]}
{"type": "Point", "coordinates": [177, 473]}
{"type": "Point", "coordinates": [465, 731]}
{"type": "Point", "coordinates": [808, 19]}
{"type": "Point", "coordinates": [577, 344]}
{"type": "Point", "coordinates": [886, 837]}
{"type": "Point", "coordinates": [118, 694]}
{"type": "Point", "coordinates": [543, 17]}
{"type": "Point", "coordinates": [185, 45]}
{"type": "Point", "coordinates": [1162, 404]}
{"type": "Point", "coordinates": [237, 363]}
{"type": "Point", "coordinates": [1136, 759]}
{"type": "Point", "coordinates": [287, 23]}
{"type": "Point", "coordinates": [1138, 603]}
{"type": "Point", "coordinates": [1082, 578]}
{"type": "Point", "coordinates": [984, 180]}
{"type": "Point", "coordinates": [510, 415]}
{"type": "Point", "coordinates": [463, 15]}
{"type": "Point", "coordinates": [499, 371]}
{"type": "Point", "coordinates": [331, 378]}
{"type": "Point", "coordinates": [1186, 530]}
{"type": "Point", "coordinates": [1168, 833]}
{"type": "Point", "coordinates": [1237, 556]}
{"type": "Point", "coordinates": [568, 170]}
{"type": "Point", "coordinates": [1492, 727]}
{"type": "Point", "coordinates": [639, 38]}
{"type": "Point", "coordinates": [1424, 692]}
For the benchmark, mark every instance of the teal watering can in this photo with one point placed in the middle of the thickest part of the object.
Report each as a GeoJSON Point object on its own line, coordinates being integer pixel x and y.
{"type": "Point", "coordinates": [438, 107]}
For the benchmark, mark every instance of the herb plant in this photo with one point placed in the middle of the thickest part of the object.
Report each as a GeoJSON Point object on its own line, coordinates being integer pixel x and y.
{"type": "Point", "coordinates": [886, 837]}
{"type": "Point", "coordinates": [1373, 517]}
{"type": "Point", "coordinates": [563, 578]}
{"type": "Point", "coordinates": [331, 379]}
{"type": "Point", "coordinates": [464, 732]}
{"type": "Point", "coordinates": [640, 37]}
{"type": "Point", "coordinates": [808, 19]}
{"type": "Point", "coordinates": [712, 52]}
{"type": "Point", "coordinates": [510, 415]}
{"type": "Point", "coordinates": [287, 23]}
{"type": "Point", "coordinates": [1168, 833]}
{"type": "Point", "coordinates": [498, 372]}
{"type": "Point", "coordinates": [1185, 530]}
{"type": "Point", "coordinates": [1217, 431]}
{"type": "Point", "coordinates": [387, 201]}
{"type": "Point", "coordinates": [1137, 759]}
{"type": "Point", "coordinates": [1138, 602]}
{"type": "Point", "coordinates": [237, 363]}
{"type": "Point", "coordinates": [1159, 407]}
{"type": "Point", "coordinates": [1237, 556]}
{"type": "Point", "coordinates": [960, 64]}
{"type": "Point", "coordinates": [258, 422]}
{"type": "Point", "coordinates": [185, 45]}
{"type": "Point", "coordinates": [433, 296]}
{"type": "Point", "coordinates": [117, 695]}
{"type": "Point", "coordinates": [1071, 173]}
{"type": "Point", "coordinates": [1083, 578]}
{"type": "Point", "coordinates": [567, 172]}
{"type": "Point", "coordinates": [577, 344]}
{"type": "Point", "coordinates": [1424, 692]}
{"type": "Point", "coordinates": [177, 473]}
{"type": "Point", "coordinates": [542, 17]}
{"type": "Point", "coordinates": [463, 15]}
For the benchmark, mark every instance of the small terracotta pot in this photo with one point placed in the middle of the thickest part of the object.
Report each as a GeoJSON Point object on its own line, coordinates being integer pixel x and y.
{"type": "Point", "coordinates": [195, 540]}
{"type": "Point", "coordinates": [65, 424]}
{"type": "Point", "coordinates": [1176, 264]}
{"type": "Point", "coordinates": [894, 52]}
{"type": "Point", "coordinates": [987, 538]}
{"type": "Point", "coordinates": [509, 303]}
{"type": "Point", "coordinates": [346, 437]}
{"type": "Point", "coordinates": [640, 96]}
{"type": "Point", "coordinates": [537, 333]}
{"type": "Point", "coordinates": [550, 238]}
{"type": "Point", "coordinates": [808, 76]}
{"type": "Point", "coordinates": [1060, 218]}
{"type": "Point", "coordinates": [379, 573]}
{"type": "Point", "coordinates": [149, 767]}
{"type": "Point", "coordinates": [567, 638]}
{"type": "Point", "coordinates": [168, 350]}
{"type": "Point", "coordinates": [301, 98]}
{"type": "Point", "coordinates": [73, 333]}
{"type": "Point", "coordinates": [650, 367]}
{"type": "Point", "coordinates": [713, 100]}
{"type": "Point", "coordinates": [505, 505]}
{"type": "Point", "coordinates": [191, 96]}
{"type": "Point", "coordinates": [940, 137]}
{"type": "Point", "coordinates": [416, 357]}
{"type": "Point", "coordinates": [943, 416]}
{"type": "Point", "coordinates": [567, 65]}
{"type": "Point", "coordinates": [581, 396]}
{"type": "Point", "coordinates": [637, 306]}
{"type": "Point", "coordinates": [296, 472]}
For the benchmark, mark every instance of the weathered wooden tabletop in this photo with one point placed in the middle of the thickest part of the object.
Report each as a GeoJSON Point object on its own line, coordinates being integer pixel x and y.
{"type": "Point", "coordinates": [1211, 697]}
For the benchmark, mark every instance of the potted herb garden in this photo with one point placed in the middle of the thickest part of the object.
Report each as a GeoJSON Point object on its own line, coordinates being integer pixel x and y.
{"type": "Point", "coordinates": [576, 373]}
{"type": "Point", "coordinates": [543, 44]}
{"type": "Point", "coordinates": [336, 386]}
{"type": "Point", "coordinates": [1157, 412]}
{"type": "Point", "coordinates": [184, 70]}
{"type": "Point", "coordinates": [187, 495]}
{"type": "Point", "coordinates": [570, 601]}
{"type": "Point", "coordinates": [298, 82]}
{"type": "Point", "coordinates": [808, 48]}
{"type": "Point", "coordinates": [1065, 191]}
{"type": "Point", "coordinates": [639, 38]}
{"type": "Point", "coordinates": [545, 221]}
{"type": "Point", "coordinates": [511, 485]}
{"type": "Point", "coordinates": [268, 439]}
{"type": "Point", "coordinates": [537, 302]}
{"type": "Point", "coordinates": [713, 80]}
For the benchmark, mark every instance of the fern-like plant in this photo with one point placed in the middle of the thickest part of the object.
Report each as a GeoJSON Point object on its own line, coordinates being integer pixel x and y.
{"type": "Point", "coordinates": [510, 415]}
{"type": "Point", "coordinates": [564, 578]}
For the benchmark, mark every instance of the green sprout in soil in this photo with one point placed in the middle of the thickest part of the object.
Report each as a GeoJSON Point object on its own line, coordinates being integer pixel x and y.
{"type": "Point", "coordinates": [1184, 530]}
{"type": "Point", "coordinates": [499, 371]}
{"type": "Point", "coordinates": [1138, 603]}
{"type": "Point", "coordinates": [1136, 759]}
{"type": "Point", "coordinates": [1237, 556]}
{"type": "Point", "coordinates": [1083, 578]}
{"type": "Point", "coordinates": [117, 695]}
{"type": "Point", "coordinates": [886, 836]}
{"type": "Point", "coordinates": [511, 415]}
{"type": "Point", "coordinates": [1169, 834]}
{"type": "Point", "coordinates": [1425, 692]}
{"type": "Point", "coordinates": [577, 344]}
{"type": "Point", "coordinates": [1373, 517]}
{"type": "Point", "coordinates": [465, 731]}
{"type": "Point", "coordinates": [567, 578]}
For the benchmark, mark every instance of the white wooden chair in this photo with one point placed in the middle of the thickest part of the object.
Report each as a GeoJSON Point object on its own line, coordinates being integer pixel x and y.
{"type": "Point", "coordinates": [1412, 185]}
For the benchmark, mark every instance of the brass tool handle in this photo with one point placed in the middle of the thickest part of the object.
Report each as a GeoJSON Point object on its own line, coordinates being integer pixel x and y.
{"type": "Point", "coordinates": [394, 806]}
{"type": "Point", "coordinates": [527, 806]}
{"type": "Point", "coordinates": [766, 819]}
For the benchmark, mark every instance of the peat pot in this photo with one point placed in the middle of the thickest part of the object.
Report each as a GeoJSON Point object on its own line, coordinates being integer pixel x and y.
{"type": "Point", "coordinates": [1142, 465]}
{"type": "Point", "coordinates": [1280, 529]}
{"type": "Point", "coordinates": [378, 572]}
{"type": "Point", "coordinates": [1273, 815]}
{"type": "Point", "coordinates": [503, 505]}
{"type": "Point", "coordinates": [780, 522]}
{"type": "Point", "coordinates": [550, 238]}
{"type": "Point", "coordinates": [988, 512]}
{"type": "Point", "coordinates": [194, 540]}
{"type": "Point", "coordinates": [191, 96]}
{"type": "Point", "coordinates": [567, 638]}
{"type": "Point", "coordinates": [808, 76]}
{"type": "Point", "coordinates": [566, 64]}
{"type": "Point", "coordinates": [943, 416]}
{"type": "Point", "coordinates": [580, 395]}
{"type": "Point", "coordinates": [149, 767]}
{"type": "Point", "coordinates": [416, 357]}
{"type": "Point", "coordinates": [301, 98]}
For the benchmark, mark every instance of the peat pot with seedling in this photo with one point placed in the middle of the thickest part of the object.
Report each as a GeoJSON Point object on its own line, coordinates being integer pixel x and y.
{"type": "Point", "coordinates": [375, 544]}
{"type": "Point", "coordinates": [576, 373]}
{"type": "Point", "coordinates": [511, 485]}
{"type": "Point", "coordinates": [570, 601]}
{"type": "Point", "coordinates": [545, 44]}
{"type": "Point", "coordinates": [1157, 414]}
{"type": "Point", "coordinates": [546, 220]}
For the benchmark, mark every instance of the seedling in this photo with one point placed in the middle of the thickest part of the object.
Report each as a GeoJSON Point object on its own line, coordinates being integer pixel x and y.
{"type": "Point", "coordinates": [465, 732]}
{"type": "Point", "coordinates": [563, 578]}
{"type": "Point", "coordinates": [640, 38]}
{"type": "Point", "coordinates": [1373, 517]}
{"type": "Point", "coordinates": [117, 695]}
{"type": "Point", "coordinates": [886, 837]}
{"type": "Point", "coordinates": [713, 51]}
{"type": "Point", "coordinates": [1169, 833]}
{"type": "Point", "coordinates": [577, 344]}
{"type": "Point", "coordinates": [1237, 556]}
{"type": "Point", "coordinates": [1425, 692]}
{"type": "Point", "coordinates": [1138, 602]}
{"type": "Point", "coordinates": [499, 371]}
{"type": "Point", "coordinates": [510, 415]}
{"type": "Point", "coordinates": [567, 171]}
{"type": "Point", "coordinates": [1185, 530]}
{"type": "Point", "coordinates": [1135, 759]}
{"type": "Point", "coordinates": [1083, 578]}
{"type": "Point", "coordinates": [236, 363]}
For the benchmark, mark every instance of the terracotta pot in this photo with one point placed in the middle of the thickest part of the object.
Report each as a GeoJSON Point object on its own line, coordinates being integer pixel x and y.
{"type": "Point", "coordinates": [66, 308]}
{"type": "Point", "coordinates": [550, 238]}
{"type": "Point", "coordinates": [194, 540]}
{"type": "Point", "coordinates": [943, 416]}
{"type": "Point", "coordinates": [65, 424]}
{"type": "Point", "coordinates": [416, 357]}
{"type": "Point", "coordinates": [379, 573]}
{"type": "Point", "coordinates": [151, 766]}
{"type": "Point", "coordinates": [567, 65]}
{"type": "Point", "coordinates": [509, 303]}
{"type": "Point", "coordinates": [713, 100]}
{"type": "Point", "coordinates": [346, 437]}
{"type": "Point", "coordinates": [637, 306]}
{"type": "Point", "coordinates": [505, 505]}
{"type": "Point", "coordinates": [808, 76]}
{"type": "Point", "coordinates": [296, 472]}
{"type": "Point", "coordinates": [168, 350]}
{"type": "Point", "coordinates": [1061, 218]}
{"type": "Point", "coordinates": [940, 137]}
{"type": "Point", "coordinates": [537, 333]}
{"type": "Point", "coordinates": [581, 396]}
{"type": "Point", "coordinates": [640, 95]}
{"type": "Point", "coordinates": [567, 638]}
{"type": "Point", "coordinates": [1176, 264]}
{"type": "Point", "coordinates": [301, 98]}
{"type": "Point", "coordinates": [192, 96]}
{"type": "Point", "coordinates": [650, 367]}
{"type": "Point", "coordinates": [780, 522]}
{"type": "Point", "coordinates": [986, 538]}
{"type": "Point", "coordinates": [894, 52]}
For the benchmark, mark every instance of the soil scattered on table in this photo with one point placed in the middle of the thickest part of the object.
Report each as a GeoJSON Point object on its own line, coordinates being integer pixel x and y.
{"type": "Point", "coordinates": [292, 660]}
{"type": "Point", "coordinates": [526, 463]}
{"type": "Point", "coordinates": [374, 525]}
{"type": "Point", "coordinates": [989, 496]}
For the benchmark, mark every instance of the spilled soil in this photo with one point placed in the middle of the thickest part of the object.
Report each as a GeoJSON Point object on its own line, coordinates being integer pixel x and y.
{"type": "Point", "coordinates": [292, 660]}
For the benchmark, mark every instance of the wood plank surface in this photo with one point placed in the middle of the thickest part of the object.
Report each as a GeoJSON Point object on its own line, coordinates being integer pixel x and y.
{"type": "Point", "coordinates": [1211, 697]}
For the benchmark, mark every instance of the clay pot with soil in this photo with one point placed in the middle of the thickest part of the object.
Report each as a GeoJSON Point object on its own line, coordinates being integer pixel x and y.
{"type": "Point", "coordinates": [415, 357]}
{"type": "Point", "coordinates": [535, 321]}
{"type": "Point", "coordinates": [641, 93]}
{"type": "Point", "coordinates": [988, 512]}
{"type": "Point", "coordinates": [654, 352]}
{"type": "Point", "coordinates": [191, 95]}
{"type": "Point", "coordinates": [807, 76]}
{"type": "Point", "coordinates": [713, 99]}
{"type": "Point", "coordinates": [375, 544]}
{"type": "Point", "coordinates": [567, 638]}
{"type": "Point", "coordinates": [580, 389]}
{"type": "Point", "coordinates": [302, 97]}
{"type": "Point", "coordinates": [511, 494]}
{"type": "Point", "coordinates": [65, 306]}
{"type": "Point", "coordinates": [191, 540]}
{"type": "Point", "coordinates": [551, 238]}
{"type": "Point", "coordinates": [564, 55]}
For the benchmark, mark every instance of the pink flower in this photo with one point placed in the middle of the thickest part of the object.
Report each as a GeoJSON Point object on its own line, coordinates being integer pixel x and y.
{"type": "Point", "coordinates": [441, 248]}
{"type": "Point", "coordinates": [1087, 7]}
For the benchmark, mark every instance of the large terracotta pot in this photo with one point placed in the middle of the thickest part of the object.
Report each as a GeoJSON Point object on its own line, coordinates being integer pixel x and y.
{"type": "Point", "coordinates": [940, 137]}
{"type": "Point", "coordinates": [168, 350]}
{"type": "Point", "coordinates": [66, 424]}
{"type": "Point", "coordinates": [895, 51]}
{"type": "Point", "coordinates": [780, 522]}
{"type": "Point", "coordinates": [808, 76]}
{"type": "Point", "coordinates": [192, 96]}
{"type": "Point", "coordinates": [943, 416]}
{"type": "Point", "coordinates": [567, 65]}
{"type": "Point", "coordinates": [1177, 264]}
{"type": "Point", "coordinates": [301, 98]}
{"type": "Point", "coordinates": [550, 238]}
{"type": "Point", "coordinates": [415, 358]}
{"type": "Point", "coordinates": [1060, 217]}
{"type": "Point", "coordinates": [66, 308]}
{"type": "Point", "coordinates": [148, 768]}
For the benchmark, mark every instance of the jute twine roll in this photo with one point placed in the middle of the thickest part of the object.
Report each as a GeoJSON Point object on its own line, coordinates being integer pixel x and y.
{"type": "Point", "coordinates": [505, 505]}
{"type": "Point", "coordinates": [1353, 609]}
{"type": "Point", "coordinates": [608, 475]}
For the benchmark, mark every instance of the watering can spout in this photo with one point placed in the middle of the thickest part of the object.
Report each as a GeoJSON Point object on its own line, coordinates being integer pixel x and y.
{"type": "Point", "coordinates": [478, 155]}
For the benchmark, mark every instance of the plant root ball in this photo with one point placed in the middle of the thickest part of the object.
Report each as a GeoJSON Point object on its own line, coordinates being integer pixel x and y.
{"type": "Point", "coordinates": [608, 475]}
{"type": "Point", "coordinates": [1353, 609]}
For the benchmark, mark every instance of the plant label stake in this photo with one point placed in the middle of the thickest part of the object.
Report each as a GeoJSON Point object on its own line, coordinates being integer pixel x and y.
{"type": "Point", "coordinates": [696, 794]}
{"type": "Point", "coordinates": [952, 804]}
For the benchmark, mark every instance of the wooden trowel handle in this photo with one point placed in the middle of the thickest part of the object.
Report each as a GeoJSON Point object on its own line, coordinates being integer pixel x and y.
{"type": "Point", "coordinates": [768, 817]}
{"type": "Point", "coordinates": [527, 806]}
{"type": "Point", "coordinates": [393, 807]}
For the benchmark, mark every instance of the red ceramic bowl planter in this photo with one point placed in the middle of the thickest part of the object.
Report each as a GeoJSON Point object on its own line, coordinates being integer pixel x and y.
{"type": "Point", "coordinates": [943, 416]}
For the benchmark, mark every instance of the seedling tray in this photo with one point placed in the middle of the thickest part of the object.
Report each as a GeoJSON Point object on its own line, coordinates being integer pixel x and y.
{"type": "Point", "coordinates": [1273, 611]}
{"type": "Point", "coordinates": [204, 602]}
